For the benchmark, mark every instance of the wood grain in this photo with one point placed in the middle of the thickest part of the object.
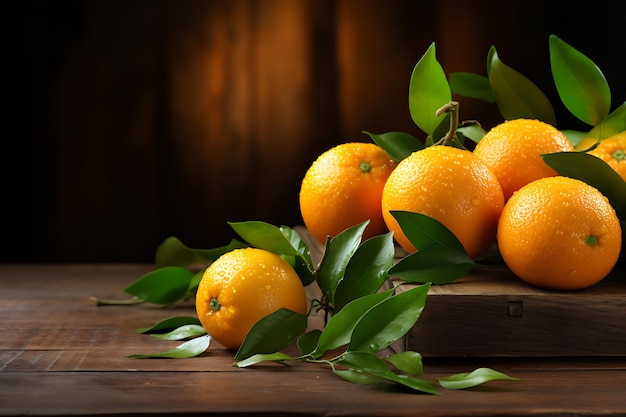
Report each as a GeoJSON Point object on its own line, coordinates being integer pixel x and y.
{"type": "Point", "coordinates": [61, 355]}
{"type": "Point", "coordinates": [496, 314]}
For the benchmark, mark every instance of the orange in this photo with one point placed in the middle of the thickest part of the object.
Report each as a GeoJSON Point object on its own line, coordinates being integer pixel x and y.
{"type": "Point", "coordinates": [588, 142]}
{"type": "Point", "coordinates": [243, 286]}
{"type": "Point", "coordinates": [513, 149]}
{"type": "Point", "coordinates": [612, 150]}
{"type": "Point", "coordinates": [559, 233]}
{"type": "Point", "coordinates": [451, 185]}
{"type": "Point", "coordinates": [585, 144]}
{"type": "Point", "coordinates": [343, 187]}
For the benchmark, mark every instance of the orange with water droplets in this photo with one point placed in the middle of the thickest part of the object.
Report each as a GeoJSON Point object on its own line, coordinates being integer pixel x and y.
{"type": "Point", "coordinates": [243, 286]}
{"type": "Point", "coordinates": [588, 142]}
{"type": "Point", "coordinates": [343, 188]}
{"type": "Point", "coordinates": [559, 233]}
{"type": "Point", "coordinates": [612, 150]}
{"type": "Point", "coordinates": [513, 149]}
{"type": "Point", "coordinates": [450, 185]}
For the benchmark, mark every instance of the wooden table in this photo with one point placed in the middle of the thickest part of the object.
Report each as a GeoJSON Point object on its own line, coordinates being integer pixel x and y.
{"type": "Point", "coordinates": [62, 355]}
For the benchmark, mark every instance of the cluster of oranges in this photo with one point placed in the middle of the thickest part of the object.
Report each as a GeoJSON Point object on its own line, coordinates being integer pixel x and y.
{"type": "Point", "coordinates": [553, 232]}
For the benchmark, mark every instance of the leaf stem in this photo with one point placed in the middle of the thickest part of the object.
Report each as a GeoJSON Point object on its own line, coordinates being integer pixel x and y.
{"type": "Point", "coordinates": [452, 108]}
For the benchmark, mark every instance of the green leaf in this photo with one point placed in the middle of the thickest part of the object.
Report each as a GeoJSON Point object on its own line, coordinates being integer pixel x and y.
{"type": "Point", "coordinates": [282, 241]}
{"type": "Point", "coordinates": [435, 264]}
{"type": "Point", "coordinates": [169, 325]}
{"type": "Point", "coordinates": [440, 132]}
{"type": "Point", "coordinates": [398, 145]}
{"type": "Point", "coordinates": [472, 85]}
{"type": "Point", "coordinates": [356, 376]}
{"type": "Point", "coordinates": [300, 246]}
{"type": "Point", "coordinates": [408, 362]}
{"type": "Point", "coordinates": [339, 328]}
{"type": "Point", "coordinates": [428, 92]}
{"type": "Point", "coordinates": [189, 349]}
{"type": "Point", "coordinates": [389, 320]}
{"type": "Point", "coordinates": [472, 130]}
{"type": "Point", "coordinates": [613, 124]}
{"type": "Point", "coordinates": [165, 285]}
{"type": "Point", "coordinates": [302, 262]}
{"type": "Point", "coordinates": [423, 230]}
{"type": "Point", "coordinates": [262, 357]}
{"type": "Point", "coordinates": [264, 236]}
{"type": "Point", "coordinates": [108, 302]}
{"type": "Point", "coordinates": [302, 268]}
{"type": "Point", "coordinates": [336, 256]}
{"type": "Point", "coordinates": [593, 171]}
{"type": "Point", "coordinates": [581, 85]}
{"type": "Point", "coordinates": [471, 379]}
{"type": "Point", "coordinates": [194, 283]}
{"type": "Point", "coordinates": [574, 136]}
{"type": "Point", "coordinates": [183, 332]}
{"type": "Point", "coordinates": [366, 271]}
{"type": "Point", "coordinates": [369, 363]}
{"type": "Point", "coordinates": [516, 96]}
{"type": "Point", "coordinates": [272, 333]}
{"type": "Point", "coordinates": [172, 252]}
{"type": "Point", "coordinates": [308, 341]}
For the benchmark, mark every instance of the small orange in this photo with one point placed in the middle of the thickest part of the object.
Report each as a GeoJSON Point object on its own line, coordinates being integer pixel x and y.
{"type": "Point", "coordinates": [559, 233]}
{"type": "Point", "coordinates": [513, 149]}
{"type": "Point", "coordinates": [612, 150]}
{"type": "Point", "coordinates": [588, 142]}
{"type": "Point", "coordinates": [343, 187]}
{"type": "Point", "coordinates": [451, 185]}
{"type": "Point", "coordinates": [243, 286]}
{"type": "Point", "coordinates": [585, 144]}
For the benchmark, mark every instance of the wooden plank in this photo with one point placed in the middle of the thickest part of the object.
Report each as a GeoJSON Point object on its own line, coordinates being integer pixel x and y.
{"type": "Point", "coordinates": [60, 355]}
{"type": "Point", "coordinates": [291, 392]}
{"type": "Point", "coordinates": [492, 313]}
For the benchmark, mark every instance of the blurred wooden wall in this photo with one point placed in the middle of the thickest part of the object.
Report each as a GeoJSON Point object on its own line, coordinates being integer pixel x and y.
{"type": "Point", "coordinates": [147, 119]}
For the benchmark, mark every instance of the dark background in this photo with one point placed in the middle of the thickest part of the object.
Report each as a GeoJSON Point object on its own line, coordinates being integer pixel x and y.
{"type": "Point", "coordinates": [151, 118]}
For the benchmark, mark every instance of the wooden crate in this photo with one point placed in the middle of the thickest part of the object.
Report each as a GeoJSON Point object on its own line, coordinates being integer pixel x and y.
{"type": "Point", "coordinates": [493, 313]}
